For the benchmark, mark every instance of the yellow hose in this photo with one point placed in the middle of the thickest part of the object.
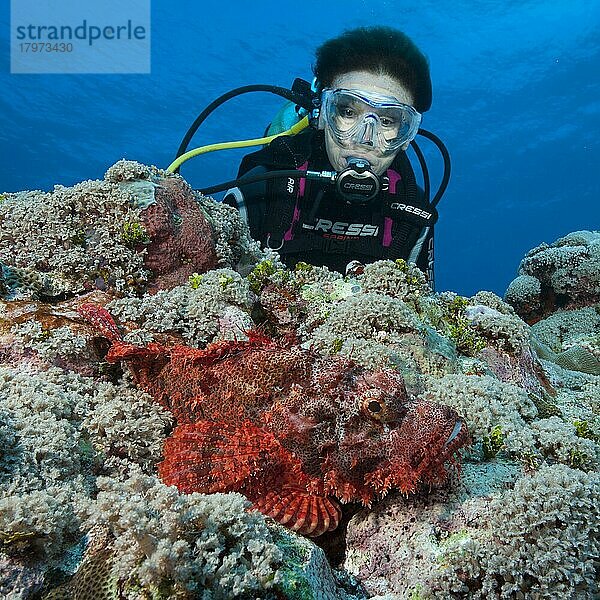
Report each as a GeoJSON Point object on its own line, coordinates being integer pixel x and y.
{"type": "Point", "coordinates": [303, 124]}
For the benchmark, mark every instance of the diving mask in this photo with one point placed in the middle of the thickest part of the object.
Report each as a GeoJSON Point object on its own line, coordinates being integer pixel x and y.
{"type": "Point", "coordinates": [358, 118]}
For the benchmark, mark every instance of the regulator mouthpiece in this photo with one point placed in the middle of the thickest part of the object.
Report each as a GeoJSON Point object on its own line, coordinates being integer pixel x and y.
{"type": "Point", "coordinates": [357, 183]}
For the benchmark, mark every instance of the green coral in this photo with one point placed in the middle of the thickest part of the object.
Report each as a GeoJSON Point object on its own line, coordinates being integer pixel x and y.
{"type": "Point", "coordinates": [460, 330]}
{"type": "Point", "coordinates": [546, 407]}
{"type": "Point", "coordinates": [78, 238]}
{"type": "Point", "coordinates": [451, 546]}
{"type": "Point", "coordinates": [302, 266]}
{"type": "Point", "coordinates": [336, 345]}
{"type": "Point", "coordinates": [402, 265]}
{"type": "Point", "coordinates": [266, 272]}
{"type": "Point", "coordinates": [493, 443]}
{"type": "Point", "coordinates": [12, 537]}
{"type": "Point", "coordinates": [411, 278]}
{"type": "Point", "coordinates": [225, 280]}
{"type": "Point", "coordinates": [416, 593]}
{"type": "Point", "coordinates": [133, 233]}
{"type": "Point", "coordinates": [447, 315]}
{"type": "Point", "coordinates": [578, 459]}
{"type": "Point", "coordinates": [194, 280]}
{"type": "Point", "coordinates": [583, 429]}
{"type": "Point", "coordinates": [259, 275]}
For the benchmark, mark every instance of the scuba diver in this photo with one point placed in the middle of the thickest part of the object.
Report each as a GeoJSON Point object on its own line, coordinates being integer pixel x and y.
{"type": "Point", "coordinates": [341, 192]}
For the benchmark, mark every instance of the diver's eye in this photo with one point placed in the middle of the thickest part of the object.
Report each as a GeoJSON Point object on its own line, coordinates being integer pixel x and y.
{"type": "Point", "coordinates": [387, 122]}
{"type": "Point", "coordinates": [345, 111]}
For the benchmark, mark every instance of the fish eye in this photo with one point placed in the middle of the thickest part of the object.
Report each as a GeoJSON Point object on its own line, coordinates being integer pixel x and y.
{"type": "Point", "coordinates": [374, 406]}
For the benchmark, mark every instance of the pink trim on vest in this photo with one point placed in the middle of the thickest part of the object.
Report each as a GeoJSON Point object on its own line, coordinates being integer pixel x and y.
{"type": "Point", "coordinates": [303, 167]}
{"type": "Point", "coordinates": [289, 234]}
{"type": "Point", "coordinates": [395, 177]}
{"type": "Point", "coordinates": [387, 232]}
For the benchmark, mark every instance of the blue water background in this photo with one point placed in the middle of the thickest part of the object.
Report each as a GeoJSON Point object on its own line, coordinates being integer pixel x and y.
{"type": "Point", "coordinates": [516, 100]}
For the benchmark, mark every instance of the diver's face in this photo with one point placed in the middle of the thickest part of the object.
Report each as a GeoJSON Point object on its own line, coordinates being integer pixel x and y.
{"type": "Point", "coordinates": [366, 82]}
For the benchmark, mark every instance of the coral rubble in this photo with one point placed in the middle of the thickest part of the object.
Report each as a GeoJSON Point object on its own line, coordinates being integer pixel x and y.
{"type": "Point", "coordinates": [83, 512]}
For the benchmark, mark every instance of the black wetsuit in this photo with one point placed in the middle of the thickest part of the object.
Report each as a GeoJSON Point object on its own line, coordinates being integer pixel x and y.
{"type": "Point", "coordinates": [312, 223]}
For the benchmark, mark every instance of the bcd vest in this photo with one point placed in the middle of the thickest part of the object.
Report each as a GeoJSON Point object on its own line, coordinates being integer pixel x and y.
{"type": "Point", "coordinates": [308, 220]}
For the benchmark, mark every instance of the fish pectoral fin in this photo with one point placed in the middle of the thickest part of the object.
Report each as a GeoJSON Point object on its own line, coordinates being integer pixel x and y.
{"type": "Point", "coordinates": [212, 456]}
{"type": "Point", "coordinates": [301, 511]}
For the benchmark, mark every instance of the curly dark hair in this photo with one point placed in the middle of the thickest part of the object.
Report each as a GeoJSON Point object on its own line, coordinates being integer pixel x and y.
{"type": "Point", "coordinates": [377, 50]}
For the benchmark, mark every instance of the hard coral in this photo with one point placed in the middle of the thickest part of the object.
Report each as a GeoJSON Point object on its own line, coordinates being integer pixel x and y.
{"type": "Point", "coordinates": [537, 540]}
{"type": "Point", "coordinates": [159, 543]}
{"type": "Point", "coordinates": [81, 246]}
{"type": "Point", "coordinates": [571, 339]}
{"type": "Point", "coordinates": [140, 228]}
{"type": "Point", "coordinates": [214, 305]}
{"type": "Point", "coordinates": [568, 272]}
{"type": "Point", "coordinates": [58, 430]}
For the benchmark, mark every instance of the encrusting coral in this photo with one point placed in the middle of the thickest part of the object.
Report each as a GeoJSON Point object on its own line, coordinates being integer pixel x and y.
{"type": "Point", "coordinates": [82, 512]}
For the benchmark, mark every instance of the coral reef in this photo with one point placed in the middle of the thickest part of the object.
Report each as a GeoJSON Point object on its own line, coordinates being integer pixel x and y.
{"type": "Point", "coordinates": [213, 306]}
{"type": "Point", "coordinates": [503, 536]}
{"type": "Point", "coordinates": [562, 275]}
{"type": "Point", "coordinates": [69, 241]}
{"type": "Point", "coordinates": [571, 339]}
{"type": "Point", "coordinates": [190, 543]}
{"type": "Point", "coordinates": [538, 539]}
{"type": "Point", "coordinates": [83, 513]}
{"type": "Point", "coordinates": [55, 438]}
{"type": "Point", "coordinates": [139, 229]}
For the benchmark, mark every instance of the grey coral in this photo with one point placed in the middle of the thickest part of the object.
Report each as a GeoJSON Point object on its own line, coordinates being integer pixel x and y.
{"type": "Point", "coordinates": [209, 545]}
{"type": "Point", "coordinates": [82, 240]}
{"type": "Point", "coordinates": [217, 306]}
{"type": "Point", "coordinates": [537, 540]}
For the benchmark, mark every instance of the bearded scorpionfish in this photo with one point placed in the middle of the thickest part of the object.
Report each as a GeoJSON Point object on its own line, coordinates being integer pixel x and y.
{"type": "Point", "coordinates": [295, 432]}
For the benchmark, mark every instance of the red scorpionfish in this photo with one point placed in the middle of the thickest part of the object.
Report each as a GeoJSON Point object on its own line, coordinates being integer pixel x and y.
{"type": "Point", "coordinates": [293, 431]}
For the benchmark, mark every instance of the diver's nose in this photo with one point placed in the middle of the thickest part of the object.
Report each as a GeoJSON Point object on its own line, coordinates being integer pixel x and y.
{"type": "Point", "coordinates": [368, 132]}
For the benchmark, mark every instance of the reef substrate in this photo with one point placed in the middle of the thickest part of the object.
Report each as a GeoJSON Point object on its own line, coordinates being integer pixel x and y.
{"type": "Point", "coordinates": [82, 511]}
